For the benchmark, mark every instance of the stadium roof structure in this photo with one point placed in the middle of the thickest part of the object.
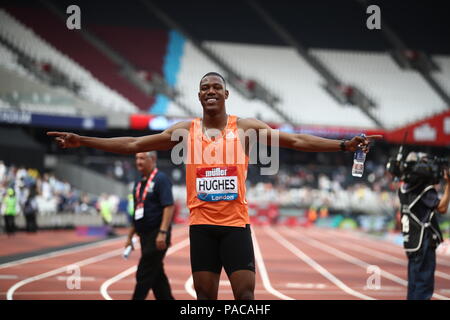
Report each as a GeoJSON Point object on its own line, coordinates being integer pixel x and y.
{"type": "Point", "coordinates": [318, 60]}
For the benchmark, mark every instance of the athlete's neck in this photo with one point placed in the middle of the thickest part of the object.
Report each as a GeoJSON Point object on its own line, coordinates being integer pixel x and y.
{"type": "Point", "coordinates": [215, 121]}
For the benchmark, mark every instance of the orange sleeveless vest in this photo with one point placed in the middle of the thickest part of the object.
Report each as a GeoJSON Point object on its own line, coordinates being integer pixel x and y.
{"type": "Point", "coordinates": [216, 171]}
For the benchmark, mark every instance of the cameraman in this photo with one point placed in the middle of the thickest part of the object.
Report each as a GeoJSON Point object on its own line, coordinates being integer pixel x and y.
{"type": "Point", "coordinates": [421, 234]}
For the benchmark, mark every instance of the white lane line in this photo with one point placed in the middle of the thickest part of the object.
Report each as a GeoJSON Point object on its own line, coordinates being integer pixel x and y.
{"type": "Point", "coordinates": [81, 263]}
{"type": "Point", "coordinates": [298, 285]}
{"type": "Point", "coordinates": [83, 279]}
{"type": "Point", "coordinates": [189, 287]}
{"type": "Point", "coordinates": [342, 255]}
{"type": "Point", "coordinates": [324, 272]}
{"type": "Point", "coordinates": [59, 252]}
{"type": "Point", "coordinates": [70, 250]}
{"type": "Point", "coordinates": [373, 241]}
{"type": "Point", "coordinates": [127, 272]}
{"type": "Point", "coordinates": [385, 256]}
{"type": "Point", "coordinates": [105, 285]}
{"type": "Point", "coordinates": [263, 271]}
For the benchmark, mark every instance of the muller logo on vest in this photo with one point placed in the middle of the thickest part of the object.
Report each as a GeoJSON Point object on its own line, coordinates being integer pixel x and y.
{"type": "Point", "coordinates": [217, 183]}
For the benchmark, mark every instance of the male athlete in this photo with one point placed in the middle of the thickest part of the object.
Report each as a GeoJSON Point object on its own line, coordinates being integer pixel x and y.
{"type": "Point", "coordinates": [219, 223]}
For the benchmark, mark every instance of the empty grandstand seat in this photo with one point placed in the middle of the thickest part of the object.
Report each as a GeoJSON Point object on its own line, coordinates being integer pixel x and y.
{"type": "Point", "coordinates": [194, 65]}
{"type": "Point", "coordinates": [298, 85]}
{"type": "Point", "coordinates": [9, 60]}
{"type": "Point", "coordinates": [442, 76]}
{"type": "Point", "coordinates": [37, 48]}
{"type": "Point", "coordinates": [148, 55]}
{"type": "Point", "coordinates": [402, 96]}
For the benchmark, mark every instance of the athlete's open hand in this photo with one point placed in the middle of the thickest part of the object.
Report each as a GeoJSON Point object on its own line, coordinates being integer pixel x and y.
{"type": "Point", "coordinates": [66, 139]}
{"type": "Point", "coordinates": [359, 142]}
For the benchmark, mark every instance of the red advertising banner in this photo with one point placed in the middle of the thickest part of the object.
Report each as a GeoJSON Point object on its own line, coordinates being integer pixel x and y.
{"type": "Point", "coordinates": [140, 121]}
{"type": "Point", "coordinates": [152, 122]}
{"type": "Point", "coordinates": [434, 131]}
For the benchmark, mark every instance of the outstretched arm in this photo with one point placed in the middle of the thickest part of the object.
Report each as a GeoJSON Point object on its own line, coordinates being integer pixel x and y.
{"type": "Point", "coordinates": [305, 142]}
{"type": "Point", "coordinates": [124, 145]}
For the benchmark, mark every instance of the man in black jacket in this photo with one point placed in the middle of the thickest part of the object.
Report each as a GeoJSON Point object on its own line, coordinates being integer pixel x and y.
{"type": "Point", "coordinates": [152, 218]}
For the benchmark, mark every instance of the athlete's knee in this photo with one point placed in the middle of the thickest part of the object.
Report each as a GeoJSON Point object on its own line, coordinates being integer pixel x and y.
{"type": "Point", "coordinates": [243, 284]}
{"type": "Point", "coordinates": [205, 296]}
{"type": "Point", "coordinates": [244, 294]}
{"type": "Point", "coordinates": [205, 292]}
{"type": "Point", "coordinates": [206, 285]}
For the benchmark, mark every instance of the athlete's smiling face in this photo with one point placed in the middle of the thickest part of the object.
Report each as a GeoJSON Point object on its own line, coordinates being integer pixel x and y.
{"type": "Point", "coordinates": [212, 94]}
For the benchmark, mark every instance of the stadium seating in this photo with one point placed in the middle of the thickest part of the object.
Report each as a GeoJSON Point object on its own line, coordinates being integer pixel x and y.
{"type": "Point", "coordinates": [149, 58]}
{"type": "Point", "coordinates": [443, 77]}
{"type": "Point", "coordinates": [21, 90]}
{"type": "Point", "coordinates": [37, 48]}
{"type": "Point", "coordinates": [194, 65]}
{"type": "Point", "coordinates": [4, 105]}
{"type": "Point", "coordinates": [295, 82]}
{"type": "Point", "coordinates": [152, 44]}
{"type": "Point", "coordinates": [402, 96]}
{"type": "Point", "coordinates": [9, 60]}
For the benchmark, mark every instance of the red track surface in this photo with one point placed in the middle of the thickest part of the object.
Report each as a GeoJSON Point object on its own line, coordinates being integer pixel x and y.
{"type": "Point", "coordinates": [23, 242]}
{"type": "Point", "coordinates": [292, 263]}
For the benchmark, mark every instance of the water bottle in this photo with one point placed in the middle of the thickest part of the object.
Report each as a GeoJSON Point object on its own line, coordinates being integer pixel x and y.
{"type": "Point", "coordinates": [358, 161]}
{"type": "Point", "coordinates": [128, 249]}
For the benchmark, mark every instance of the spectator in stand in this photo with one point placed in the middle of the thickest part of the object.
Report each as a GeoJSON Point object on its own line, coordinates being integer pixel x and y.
{"type": "Point", "coordinates": [9, 211]}
{"type": "Point", "coordinates": [30, 210]}
{"type": "Point", "coordinates": [46, 191]}
{"type": "Point", "coordinates": [105, 208]}
{"type": "Point", "coordinates": [2, 172]}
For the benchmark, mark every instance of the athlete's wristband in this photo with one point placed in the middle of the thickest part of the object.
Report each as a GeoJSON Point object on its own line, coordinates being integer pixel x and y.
{"type": "Point", "coordinates": [342, 145]}
{"type": "Point", "coordinates": [163, 231]}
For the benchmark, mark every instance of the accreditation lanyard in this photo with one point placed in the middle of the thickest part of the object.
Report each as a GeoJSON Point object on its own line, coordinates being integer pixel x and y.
{"type": "Point", "coordinates": [139, 212]}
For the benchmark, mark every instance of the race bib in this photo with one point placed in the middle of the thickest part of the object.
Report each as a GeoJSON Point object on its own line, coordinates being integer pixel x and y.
{"type": "Point", "coordinates": [139, 212]}
{"type": "Point", "coordinates": [217, 183]}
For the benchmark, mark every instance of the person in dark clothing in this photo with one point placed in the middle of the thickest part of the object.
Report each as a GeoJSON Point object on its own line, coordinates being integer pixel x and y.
{"type": "Point", "coordinates": [152, 218]}
{"type": "Point", "coordinates": [421, 234]}
{"type": "Point", "coordinates": [30, 210]}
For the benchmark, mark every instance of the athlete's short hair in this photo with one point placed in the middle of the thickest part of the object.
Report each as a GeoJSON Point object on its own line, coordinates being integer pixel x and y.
{"type": "Point", "coordinates": [212, 73]}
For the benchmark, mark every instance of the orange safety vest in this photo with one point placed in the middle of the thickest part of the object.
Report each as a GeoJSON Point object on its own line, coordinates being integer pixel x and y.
{"type": "Point", "coordinates": [216, 171]}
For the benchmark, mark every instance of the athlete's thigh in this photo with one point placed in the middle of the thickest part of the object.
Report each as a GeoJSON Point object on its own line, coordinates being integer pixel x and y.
{"type": "Point", "coordinates": [243, 284]}
{"type": "Point", "coordinates": [236, 250]}
{"type": "Point", "coordinates": [206, 284]}
{"type": "Point", "coordinates": [204, 249]}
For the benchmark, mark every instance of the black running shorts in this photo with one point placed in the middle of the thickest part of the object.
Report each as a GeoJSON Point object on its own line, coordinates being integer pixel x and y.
{"type": "Point", "coordinates": [214, 247]}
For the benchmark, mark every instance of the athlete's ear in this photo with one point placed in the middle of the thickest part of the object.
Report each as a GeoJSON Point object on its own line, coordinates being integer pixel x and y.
{"type": "Point", "coordinates": [226, 94]}
{"type": "Point", "coordinates": [199, 99]}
